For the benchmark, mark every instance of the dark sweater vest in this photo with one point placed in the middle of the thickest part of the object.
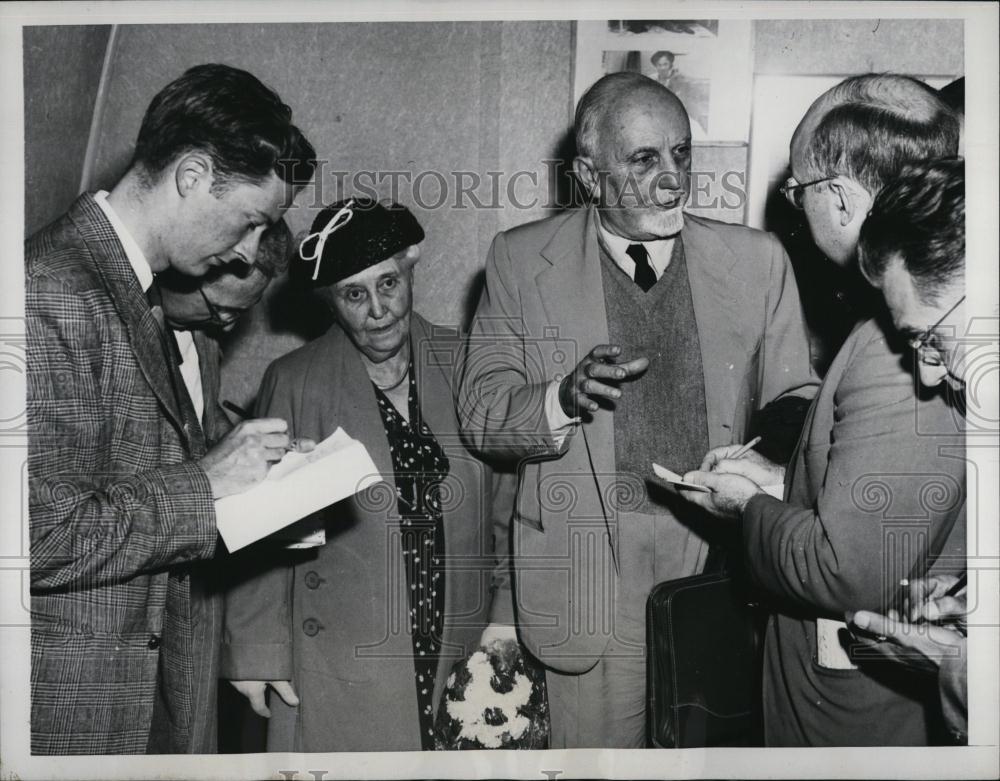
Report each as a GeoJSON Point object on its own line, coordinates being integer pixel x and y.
{"type": "Point", "coordinates": [661, 415]}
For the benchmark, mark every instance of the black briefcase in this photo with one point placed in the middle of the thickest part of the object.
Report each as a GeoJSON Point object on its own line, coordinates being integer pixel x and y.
{"type": "Point", "coordinates": [703, 637]}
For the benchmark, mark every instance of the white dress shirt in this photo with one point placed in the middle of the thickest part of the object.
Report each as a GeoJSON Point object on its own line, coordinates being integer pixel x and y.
{"type": "Point", "coordinates": [135, 255]}
{"type": "Point", "coordinates": [659, 251]}
{"type": "Point", "coordinates": [191, 370]}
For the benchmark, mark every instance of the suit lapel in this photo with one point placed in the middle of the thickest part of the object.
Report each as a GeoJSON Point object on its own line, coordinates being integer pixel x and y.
{"type": "Point", "coordinates": [572, 293]}
{"type": "Point", "coordinates": [434, 388]}
{"type": "Point", "coordinates": [130, 302]}
{"type": "Point", "coordinates": [209, 356]}
{"type": "Point", "coordinates": [354, 408]}
{"type": "Point", "coordinates": [721, 325]}
{"type": "Point", "coordinates": [798, 459]}
{"type": "Point", "coordinates": [570, 284]}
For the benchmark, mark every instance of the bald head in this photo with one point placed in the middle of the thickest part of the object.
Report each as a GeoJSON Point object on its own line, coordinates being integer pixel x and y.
{"type": "Point", "coordinates": [869, 127]}
{"type": "Point", "coordinates": [612, 96]}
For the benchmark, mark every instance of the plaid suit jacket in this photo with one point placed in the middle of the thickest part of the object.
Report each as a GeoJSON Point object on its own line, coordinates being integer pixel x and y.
{"type": "Point", "coordinates": [117, 505]}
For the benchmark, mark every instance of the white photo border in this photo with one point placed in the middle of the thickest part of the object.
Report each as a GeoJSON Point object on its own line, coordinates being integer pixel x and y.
{"type": "Point", "coordinates": [980, 759]}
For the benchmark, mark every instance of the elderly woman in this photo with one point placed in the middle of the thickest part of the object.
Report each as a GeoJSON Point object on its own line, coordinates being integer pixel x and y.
{"type": "Point", "coordinates": [356, 626]}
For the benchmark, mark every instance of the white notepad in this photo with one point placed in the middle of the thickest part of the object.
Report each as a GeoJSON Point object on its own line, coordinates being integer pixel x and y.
{"type": "Point", "coordinates": [676, 480]}
{"type": "Point", "coordinates": [299, 484]}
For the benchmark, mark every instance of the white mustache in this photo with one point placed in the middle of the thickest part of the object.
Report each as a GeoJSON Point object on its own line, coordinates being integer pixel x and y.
{"type": "Point", "coordinates": [673, 201]}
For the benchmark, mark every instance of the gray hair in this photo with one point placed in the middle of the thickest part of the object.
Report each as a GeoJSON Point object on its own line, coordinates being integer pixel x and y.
{"type": "Point", "coordinates": [870, 127]}
{"type": "Point", "coordinates": [275, 249]}
{"type": "Point", "coordinates": [600, 98]}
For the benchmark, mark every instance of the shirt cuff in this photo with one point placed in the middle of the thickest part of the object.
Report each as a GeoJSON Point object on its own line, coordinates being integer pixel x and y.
{"type": "Point", "coordinates": [777, 491]}
{"type": "Point", "coordinates": [560, 424]}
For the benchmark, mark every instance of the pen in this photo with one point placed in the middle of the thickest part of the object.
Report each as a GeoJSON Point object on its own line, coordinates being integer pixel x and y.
{"type": "Point", "coordinates": [904, 599]}
{"type": "Point", "coordinates": [958, 585]}
{"type": "Point", "coordinates": [953, 591]}
{"type": "Point", "coordinates": [956, 588]}
{"type": "Point", "coordinates": [745, 449]}
{"type": "Point", "coordinates": [237, 409]}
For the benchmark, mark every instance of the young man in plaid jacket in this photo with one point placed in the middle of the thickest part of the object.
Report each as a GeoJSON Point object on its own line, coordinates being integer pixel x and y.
{"type": "Point", "coordinates": [122, 484]}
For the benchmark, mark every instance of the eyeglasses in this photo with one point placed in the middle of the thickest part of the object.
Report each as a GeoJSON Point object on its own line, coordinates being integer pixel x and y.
{"type": "Point", "coordinates": [240, 269]}
{"type": "Point", "coordinates": [215, 313]}
{"type": "Point", "coordinates": [926, 354]}
{"type": "Point", "coordinates": [795, 192]}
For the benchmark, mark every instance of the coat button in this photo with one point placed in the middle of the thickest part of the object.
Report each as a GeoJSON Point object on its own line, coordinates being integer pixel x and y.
{"type": "Point", "coordinates": [153, 643]}
{"type": "Point", "coordinates": [311, 627]}
{"type": "Point", "coordinates": [313, 580]}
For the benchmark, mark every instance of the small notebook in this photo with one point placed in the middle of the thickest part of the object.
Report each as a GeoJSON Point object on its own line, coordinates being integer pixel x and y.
{"type": "Point", "coordinates": [299, 484]}
{"type": "Point", "coordinates": [676, 480]}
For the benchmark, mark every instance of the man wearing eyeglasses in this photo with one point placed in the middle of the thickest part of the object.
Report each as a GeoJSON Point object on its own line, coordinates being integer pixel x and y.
{"type": "Point", "coordinates": [200, 310]}
{"type": "Point", "coordinates": [857, 513]}
{"type": "Point", "coordinates": [122, 481]}
{"type": "Point", "coordinates": [913, 250]}
{"type": "Point", "coordinates": [923, 280]}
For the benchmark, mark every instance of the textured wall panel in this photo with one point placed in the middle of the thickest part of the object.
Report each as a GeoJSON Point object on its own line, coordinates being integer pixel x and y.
{"type": "Point", "coordinates": [423, 100]}
{"type": "Point", "coordinates": [62, 70]}
{"type": "Point", "coordinates": [414, 103]}
{"type": "Point", "coordinates": [925, 47]}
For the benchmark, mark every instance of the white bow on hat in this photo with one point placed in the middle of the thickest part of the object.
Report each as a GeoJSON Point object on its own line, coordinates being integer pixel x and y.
{"type": "Point", "coordinates": [339, 220]}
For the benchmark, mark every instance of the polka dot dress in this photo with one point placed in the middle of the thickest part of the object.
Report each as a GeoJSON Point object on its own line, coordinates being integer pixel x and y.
{"type": "Point", "coordinates": [419, 467]}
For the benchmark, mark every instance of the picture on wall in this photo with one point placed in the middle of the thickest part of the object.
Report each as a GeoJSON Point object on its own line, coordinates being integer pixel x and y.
{"type": "Point", "coordinates": [707, 63]}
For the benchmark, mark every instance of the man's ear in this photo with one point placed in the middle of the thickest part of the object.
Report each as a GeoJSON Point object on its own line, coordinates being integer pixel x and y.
{"type": "Point", "coordinates": [850, 199]}
{"type": "Point", "coordinates": [192, 172]}
{"type": "Point", "coordinates": [586, 172]}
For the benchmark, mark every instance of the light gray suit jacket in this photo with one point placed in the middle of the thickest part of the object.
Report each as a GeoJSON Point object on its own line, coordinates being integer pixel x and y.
{"type": "Point", "coordinates": [542, 310]}
{"type": "Point", "coordinates": [874, 493]}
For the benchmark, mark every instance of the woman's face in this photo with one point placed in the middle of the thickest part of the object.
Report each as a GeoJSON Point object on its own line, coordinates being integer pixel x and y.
{"type": "Point", "coordinates": [374, 307]}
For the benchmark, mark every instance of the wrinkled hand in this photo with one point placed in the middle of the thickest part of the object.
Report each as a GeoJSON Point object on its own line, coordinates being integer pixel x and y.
{"type": "Point", "coordinates": [729, 493]}
{"type": "Point", "coordinates": [919, 646]}
{"type": "Point", "coordinates": [254, 692]}
{"type": "Point", "coordinates": [928, 601]}
{"type": "Point", "coordinates": [242, 458]}
{"type": "Point", "coordinates": [596, 377]}
{"type": "Point", "coordinates": [752, 465]}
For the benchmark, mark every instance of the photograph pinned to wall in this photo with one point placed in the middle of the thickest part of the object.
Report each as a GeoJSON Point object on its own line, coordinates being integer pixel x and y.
{"type": "Point", "coordinates": [707, 63]}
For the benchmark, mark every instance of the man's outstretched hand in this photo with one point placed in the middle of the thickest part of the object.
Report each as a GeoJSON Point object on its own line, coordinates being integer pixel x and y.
{"type": "Point", "coordinates": [597, 377]}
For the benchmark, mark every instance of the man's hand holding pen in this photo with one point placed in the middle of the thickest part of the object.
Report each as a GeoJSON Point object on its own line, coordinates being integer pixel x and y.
{"type": "Point", "coordinates": [743, 460]}
{"type": "Point", "coordinates": [242, 458]}
{"type": "Point", "coordinates": [937, 599]}
{"type": "Point", "coordinates": [299, 444]}
{"type": "Point", "coordinates": [929, 626]}
{"type": "Point", "coordinates": [734, 474]}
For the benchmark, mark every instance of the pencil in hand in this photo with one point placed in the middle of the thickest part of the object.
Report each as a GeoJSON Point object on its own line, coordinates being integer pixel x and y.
{"type": "Point", "coordinates": [236, 409]}
{"type": "Point", "coordinates": [745, 449]}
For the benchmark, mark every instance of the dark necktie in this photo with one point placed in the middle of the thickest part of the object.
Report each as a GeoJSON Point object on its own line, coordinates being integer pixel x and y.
{"type": "Point", "coordinates": [166, 332]}
{"type": "Point", "coordinates": [172, 358]}
{"type": "Point", "coordinates": [644, 277]}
